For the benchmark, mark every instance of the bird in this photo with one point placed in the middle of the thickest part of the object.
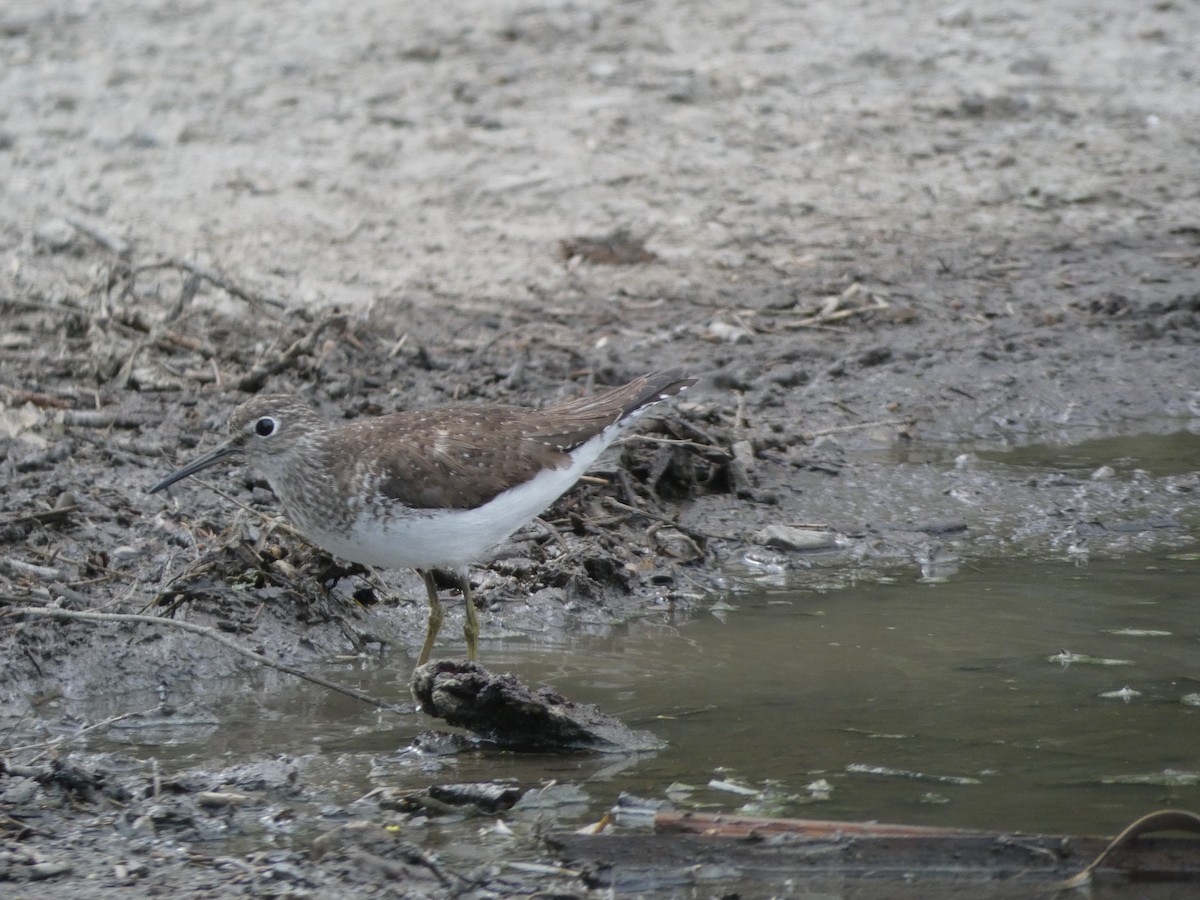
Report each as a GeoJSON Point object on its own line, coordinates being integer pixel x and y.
{"type": "Point", "coordinates": [432, 489]}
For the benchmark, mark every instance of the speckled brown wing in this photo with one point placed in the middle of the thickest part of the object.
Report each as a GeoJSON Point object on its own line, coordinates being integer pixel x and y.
{"type": "Point", "coordinates": [461, 458]}
{"type": "Point", "coordinates": [569, 423]}
{"type": "Point", "coordinates": [453, 458]}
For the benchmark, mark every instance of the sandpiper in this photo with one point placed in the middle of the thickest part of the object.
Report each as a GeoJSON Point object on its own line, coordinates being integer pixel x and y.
{"type": "Point", "coordinates": [427, 489]}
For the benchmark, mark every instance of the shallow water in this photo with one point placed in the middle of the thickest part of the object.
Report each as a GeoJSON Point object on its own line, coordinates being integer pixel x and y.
{"type": "Point", "coordinates": [963, 685]}
{"type": "Point", "coordinates": [1157, 454]}
{"type": "Point", "coordinates": [951, 680]}
{"type": "Point", "coordinates": [1036, 695]}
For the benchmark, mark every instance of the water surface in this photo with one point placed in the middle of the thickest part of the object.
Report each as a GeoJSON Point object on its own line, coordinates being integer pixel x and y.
{"type": "Point", "coordinates": [1033, 696]}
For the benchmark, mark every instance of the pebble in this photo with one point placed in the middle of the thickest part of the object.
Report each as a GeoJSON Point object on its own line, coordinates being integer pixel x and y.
{"type": "Point", "coordinates": [43, 870]}
{"type": "Point", "coordinates": [54, 236]}
{"type": "Point", "coordinates": [789, 537]}
{"type": "Point", "coordinates": [19, 790]}
{"type": "Point", "coordinates": [143, 826]}
{"type": "Point", "coordinates": [729, 334]}
{"type": "Point", "coordinates": [941, 526]}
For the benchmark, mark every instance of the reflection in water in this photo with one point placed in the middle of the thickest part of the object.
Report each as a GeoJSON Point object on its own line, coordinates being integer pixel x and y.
{"type": "Point", "coordinates": [1035, 696]}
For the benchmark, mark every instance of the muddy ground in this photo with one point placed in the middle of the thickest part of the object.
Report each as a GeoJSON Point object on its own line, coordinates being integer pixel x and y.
{"type": "Point", "coordinates": [885, 236]}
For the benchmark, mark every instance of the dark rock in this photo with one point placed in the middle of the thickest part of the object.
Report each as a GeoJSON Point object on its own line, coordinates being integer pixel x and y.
{"type": "Point", "coordinates": [505, 712]}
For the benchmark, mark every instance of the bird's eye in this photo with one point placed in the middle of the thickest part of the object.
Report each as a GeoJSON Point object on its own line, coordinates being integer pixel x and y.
{"type": "Point", "coordinates": [265, 427]}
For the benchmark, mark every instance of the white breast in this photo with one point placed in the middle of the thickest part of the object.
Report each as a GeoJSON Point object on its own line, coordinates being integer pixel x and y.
{"type": "Point", "coordinates": [453, 538]}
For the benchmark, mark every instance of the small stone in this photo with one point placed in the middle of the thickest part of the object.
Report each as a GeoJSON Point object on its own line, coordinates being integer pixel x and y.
{"type": "Point", "coordinates": [1103, 473]}
{"type": "Point", "coordinates": [941, 526]}
{"type": "Point", "coordinates": [144, 827]}
{"type": "Point", "coordinates": [19, 790]}
{"type": "Point", "coordinates": [54, 236]}
{"type": "Point", "coordinates": [789, 537]}
{"type": "Point", "coordinates": [729, 334]}
{"type": "Point", "coordinates": [43, 870]}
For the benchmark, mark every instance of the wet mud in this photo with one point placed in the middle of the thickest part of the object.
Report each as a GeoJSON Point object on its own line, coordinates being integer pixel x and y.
{"type": "Point", "coordinates": [891, 242]}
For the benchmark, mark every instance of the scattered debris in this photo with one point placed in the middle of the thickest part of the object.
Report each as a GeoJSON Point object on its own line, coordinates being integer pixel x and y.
{"type": "Point", "coordinates": [697, 849]}
{"type": "Point", "coordinates": [1067, 658]}
{"type": "Point", "coordinates": [617, 248]}
{"type": "Point", "coordinates": [889, 772]}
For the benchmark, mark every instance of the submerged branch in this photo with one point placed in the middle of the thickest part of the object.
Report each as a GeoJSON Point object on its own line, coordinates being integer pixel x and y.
{"type": "Point", "coordinates": [204, 631]}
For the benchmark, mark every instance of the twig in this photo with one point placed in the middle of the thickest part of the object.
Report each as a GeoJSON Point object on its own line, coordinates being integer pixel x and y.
{"type": "Point", "coordinates": [256, 377]}
{"type": "Point", "coordinates": [702, 437]}
{"type": "Point", "coordinates": [677, 442]}
{"type": "Point", "coordinates": [21, 568]}
{"type": "Point", "coordinates": [842, 429]}
{"type": "Point", "coordinates": [552, 533]}
{"type": "Point", "coordinates": [101, 418]}
{"type": "Point", "coordinates": [18, 396]}
{"type": "Point", "coordinates": [1161, 820]}
{"type": "Point", "coordinates": [739, 419]}
{"type": "Point", "coordinates": [53, 742]}
{"type": "Point", "coordinates": [697, 537]}
{"type": "Point", "coordinates": [275, 523]}
{"type": "Point", "coordinates": [44, 517]}
{"type": "Point", "coordinates": [203, 631]}
{"type": "Point", "coordinates": [112, 244]}
{"type": "Point", "coordinates": [218, 280]}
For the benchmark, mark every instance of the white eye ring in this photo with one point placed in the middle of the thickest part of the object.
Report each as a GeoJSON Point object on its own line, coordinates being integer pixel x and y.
{"type": "Point", "coordinates": [265, 427]}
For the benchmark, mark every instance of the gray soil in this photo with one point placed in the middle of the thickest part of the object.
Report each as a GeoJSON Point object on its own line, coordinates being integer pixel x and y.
{"type": "Point", "coordinates": [887, 237]}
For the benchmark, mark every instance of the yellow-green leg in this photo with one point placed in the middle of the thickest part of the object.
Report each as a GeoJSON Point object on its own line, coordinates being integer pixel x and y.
{"type": "Point", "coordinates": [435, 616]}
{"type": "Point", "coordinates": [470, 617]}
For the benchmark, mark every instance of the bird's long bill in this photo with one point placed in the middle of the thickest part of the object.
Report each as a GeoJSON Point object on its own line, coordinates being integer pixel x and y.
{"type": "Point", "coordinates": [208, 459]}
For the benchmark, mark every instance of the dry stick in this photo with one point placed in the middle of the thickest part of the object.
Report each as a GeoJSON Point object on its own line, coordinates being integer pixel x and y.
{"type": "Point", "coordinates": [691, 533]}
{"type": "Point", "coordinates": [218, 280]}
{"type": "Point", "coordinates": [48, 745]}
{"type": "Point", "coordinates": [858, 426]}
{"type": "Point", "coordinates": [101, 418]}
{"type": "Point", "coordinates": [254, 379]}
{"type": "Point", "coordinates": [1160, 820]}
{"type": "Point", "coordinates": [44, 516]}
{"type": "Point", "coordinates": [677, 442]}
{"type": "Point", "coordinates": [204, 631]}
{"type": "Point", "coordinates": [112, 244]}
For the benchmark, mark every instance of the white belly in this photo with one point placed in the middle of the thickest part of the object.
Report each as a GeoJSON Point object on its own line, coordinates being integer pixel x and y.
{"type": "Point", "coordinates": [454, 538]}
